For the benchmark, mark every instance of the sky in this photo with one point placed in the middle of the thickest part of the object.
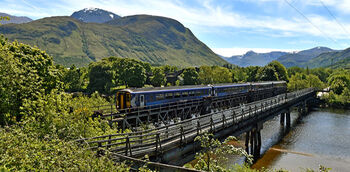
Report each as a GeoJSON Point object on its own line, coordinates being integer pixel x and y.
{"type": "Point", "coordinates": [228, 27]}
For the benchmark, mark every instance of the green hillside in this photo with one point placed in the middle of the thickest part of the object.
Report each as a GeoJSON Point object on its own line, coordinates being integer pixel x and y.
{"type": "Point", "coordinates": [152, 39]}
{"type": "Point", "coordinates": [336, 59]}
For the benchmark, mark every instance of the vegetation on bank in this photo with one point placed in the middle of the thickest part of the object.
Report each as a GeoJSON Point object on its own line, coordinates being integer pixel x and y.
{"type": "Point", "coordinates": [39, 120]}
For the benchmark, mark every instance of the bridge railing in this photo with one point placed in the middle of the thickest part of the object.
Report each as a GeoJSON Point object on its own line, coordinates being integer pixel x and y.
{"type": "Point", "coordinates": [153, 141]}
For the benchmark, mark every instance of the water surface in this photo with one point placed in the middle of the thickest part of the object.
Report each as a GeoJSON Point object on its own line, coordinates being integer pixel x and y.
{"type": "Point", "coordinates": [322, 137]}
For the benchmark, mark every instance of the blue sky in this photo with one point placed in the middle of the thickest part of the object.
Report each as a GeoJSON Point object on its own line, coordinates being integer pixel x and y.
{"type": "Point", "coordinates": [228, 27]}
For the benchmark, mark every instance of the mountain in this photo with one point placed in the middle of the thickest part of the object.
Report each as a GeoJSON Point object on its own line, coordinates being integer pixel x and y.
{"type": "Point", "coordinates": [301, 57]}
{"type": "Point", "coordinates": [15, 19]}
{"type": "Point", "coordinates": [153, 39]}
{"type": "Point", "coordinates": [335, 59]}
{"type": "Point", "coordinates": [94, 15]}
{"type": "Point", "coordinates": [252, 58]}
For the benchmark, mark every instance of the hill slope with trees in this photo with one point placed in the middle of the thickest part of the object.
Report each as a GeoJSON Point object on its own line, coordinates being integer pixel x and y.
{"type": "Point", "coordinates": [152, 39]}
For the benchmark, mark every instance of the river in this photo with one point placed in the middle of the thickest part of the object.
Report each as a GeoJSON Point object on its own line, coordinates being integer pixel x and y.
{"type": "Point", "coordinates": [321, 137]}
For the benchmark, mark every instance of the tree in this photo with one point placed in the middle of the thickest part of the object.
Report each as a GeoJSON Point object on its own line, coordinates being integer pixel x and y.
{"type": "Point", "coordinates": [295, 69]}
{"type": "Point", "coordinates": [213, 154]}
{"type": "Point", "coordinates": [190, 76]}
{"type": "Point", "coordinates": [281, 71]}
{"type": "Point", "coordinates": [25, 72]}
{"type": "Point", "coordinates": [252, 71]}
{"type": "Point", "coordinates": [339, 81]}
{"type": "Point", "coordinates": [102, 77]}
{"type": "Point", "coordinates": [131, 72]}
{"type": "Point", "coordinates": [301, 81]}
{"type": "Point", "coordinates": [205, 75]}
{"type": "Point", "coordinates": [239, 75]}
{"type": "Point", "coordinates": [221, 75]}
{"type": "Point", "coordinates": [74, 79]}
{"type": "Point", "coordinates": [158, 79]}
{"type": "Point", "coordinates": [267, 73]}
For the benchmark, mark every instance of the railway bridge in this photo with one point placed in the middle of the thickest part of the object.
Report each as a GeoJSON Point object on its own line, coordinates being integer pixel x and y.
{"type": "Point", "coordinates": [172, 142]}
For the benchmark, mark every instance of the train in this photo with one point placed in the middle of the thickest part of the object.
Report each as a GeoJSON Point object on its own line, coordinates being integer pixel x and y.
{"type": "Point", "coordinates": [146, 97]}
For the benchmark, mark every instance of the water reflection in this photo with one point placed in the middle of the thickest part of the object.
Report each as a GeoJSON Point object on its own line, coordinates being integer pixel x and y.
{"type": "Point", "coordinates": [322, 137]}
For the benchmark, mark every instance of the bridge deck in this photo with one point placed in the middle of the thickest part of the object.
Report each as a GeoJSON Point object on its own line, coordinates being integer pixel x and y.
{"type": "Point", "coordinates": [161, 139]}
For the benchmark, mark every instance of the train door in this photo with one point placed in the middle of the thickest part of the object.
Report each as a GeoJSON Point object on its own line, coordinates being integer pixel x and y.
{"type": "Point", "coordinates": [142, 100]}
{"type": "Point", "coordinates": [120, 100]}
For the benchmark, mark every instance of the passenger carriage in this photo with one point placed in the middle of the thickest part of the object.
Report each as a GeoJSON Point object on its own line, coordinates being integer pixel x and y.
{"type": "Point", "coordinates": [140, 97]}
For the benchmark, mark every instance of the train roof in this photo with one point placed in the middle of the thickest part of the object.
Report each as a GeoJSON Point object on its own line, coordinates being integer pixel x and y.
{"type": "Point", "coordinates": [172, 88]}
{"type": "Point", "coordinates": [231, 84]}
{"type": "Point", "coordinates": [193, 87]}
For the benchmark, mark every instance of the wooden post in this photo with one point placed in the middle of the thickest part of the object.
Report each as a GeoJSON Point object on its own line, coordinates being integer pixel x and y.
{"type": "Point", "coordinates": [109, 140]}
{"type": "Point", "coordinates": [127, 145]}
{"type": "Point", "coordinates": [99, 151]}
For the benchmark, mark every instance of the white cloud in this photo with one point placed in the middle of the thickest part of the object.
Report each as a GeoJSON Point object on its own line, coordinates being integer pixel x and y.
{"type": "Point", "coordinates": [228, 52]}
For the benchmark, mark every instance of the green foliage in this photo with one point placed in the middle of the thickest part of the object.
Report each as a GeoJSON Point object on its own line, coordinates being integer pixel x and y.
{"type": "Point", "coordinates": [102, 77]}
{"type": "Point", "coordinates": [339, 81]}
{"type": "Point", "coordinates": [267, 73]}
{"type": "Point", "coordinates": [239, 75]}
{"type": "Point", "coordinates": [214, 75]}
{"type": "Point", "coordinates": [25, 151]}
{"type": "Point", "coordinates": [301, 81]}
{"type": "Point", "coordinates": [294, 70]}
{"type": "Point", "coordinates": [190, 76]}
{"type": "Point", "coordinates": [25, 73]}
{"type": "Point", "coordinates": [321, 168]}
{"type": "Point", "coordinates": [67, 117]}
{"type": "Point", "coordinates": [131, 72]}
{"type": "Point", "coordinates": [74, 79]}
{"type": "Point", "coordinates": [214, 153]}
{"type": "Point", "coordinates": [112, 72]}
{"type": "Point", "coordinates": [281, 71]}
{"type": "Point", "coordinates": [158, 79]}
{"type": "Point", "coordinates": [274, 71]}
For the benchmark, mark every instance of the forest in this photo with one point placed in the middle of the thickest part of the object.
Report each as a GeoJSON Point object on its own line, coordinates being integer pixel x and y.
{"type": "Point", "coordinates": [40, 117]}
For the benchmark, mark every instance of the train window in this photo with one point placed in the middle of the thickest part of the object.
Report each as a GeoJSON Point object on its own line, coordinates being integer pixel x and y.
{"type": "Point", "coordinates": [191, 93]}
{"type": "Point", "coordinates": [184, 94]}
{"type": "Point", "coordinates": [160, 96]}
{"type": "Point", "coordinates": [198, 93]}
{"type": "Point", "coordinates": [150, 97]}
{"type": "Point", "coordinates": [168, 95]}
{"type": "Point", "coordinates": [177, 94]}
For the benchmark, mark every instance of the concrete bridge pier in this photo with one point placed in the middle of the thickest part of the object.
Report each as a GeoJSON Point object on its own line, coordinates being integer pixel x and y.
{"type": "Point", "coordinates": [288, 119]}
{"type": "Point", "coordinates": [253, 141]}
{"type": "Point", "coordinates": [285, 119]}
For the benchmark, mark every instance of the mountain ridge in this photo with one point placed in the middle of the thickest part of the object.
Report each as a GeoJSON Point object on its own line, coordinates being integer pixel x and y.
{"type": "Point", "coordinates": [155, 40]}
{"type": "Point", "coordinates": [251, 58]}
{"type": "Point", "coordinates": [94, 15]}
{"type": "Point", "coordinates": [15, 19]}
